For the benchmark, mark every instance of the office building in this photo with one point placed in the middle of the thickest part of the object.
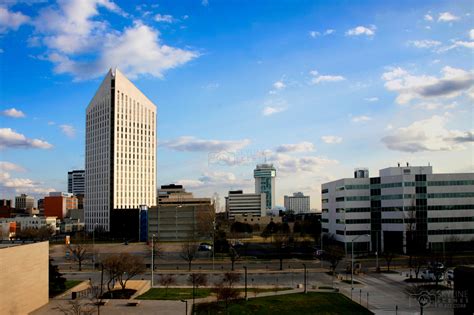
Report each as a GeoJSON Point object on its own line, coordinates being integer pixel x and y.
{"type": "Point", "coordinates": [76, 182]}
{"type": "Point", "coordinates": [179, 216]}
{"type": "Point", "coordinates": [264, 175]}
{"type": "Point", "coordinates": [5, 208]}
{"type": "Point", "coordinates": [57, 204]}
{"type": "Point", "coordinates": [24, 284]}
{"type": "Point", "coordinates": [32, 222]}
{"type": "Point", "coordinates": [24, 202]}
{"type": "Point", "coordinates": [404, 209]}
{"type": "Point", "coordinates": [238, 203]}
{"type": "Point", "coordinates": [120, 156]}
{"type": "Point", "coordinates": [298, 203]}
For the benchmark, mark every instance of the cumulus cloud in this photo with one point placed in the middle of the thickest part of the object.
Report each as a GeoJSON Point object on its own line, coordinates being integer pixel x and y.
{"type": "Point", "coordinates": [471, 34]}
{"type": "Point", "coordinates": [165, 18]}
{"type": "Point", "coordinates": [286, 163]}
{"type": "Point", "coordinates": [428, 17]}
{"type": "Point", "coordinates": [457, 44]}
{"type": "Point", "coordinates": [329, 32]}
{"type": "Point", "coordinates": [279, 85]}
{"type": "Point", "coordinates": [79, 43]}
{"type": "Point", "coordinates": [314, 34]}
{"type": "Point", "coordinates": [429, 134]}
{"type": "Point", "coordinates": [11, 185]}
{"type": "Point", "coordinates": [452, 83]}
{"type": "Point", "coordinates": [10, 20]}
{"type": "Point", "coordinates": [424, 43]}
{"type": "Point", "coordinates": [192, 144]}
{"type": "Point", "coordinates": [371, 99]}
{"type": "Point", "coordinates": [12, 112]}
{"type": "Point", "coordinates": [304, 146]}
{"type": "Point", "coordinates": [215, 180]}
{"type": "Point", "coordinates": [68, 130]}
{"type": "Point", "coordinates": [270, 110]}
{"type": "Point", "coordinates": [447, 17]}
{"type": "Point", "coordinates": [318, 78]}
{"type": "Point", "coordinates": [10, 167]}
{"type": "Point", "coordinates": [11, 139]}
{"type": "Point", "coordinates": [362, 30]}
{"type": "Point", "coordinates": [361, 119]}
{"type": "Point", "coordinates": [331, 139]}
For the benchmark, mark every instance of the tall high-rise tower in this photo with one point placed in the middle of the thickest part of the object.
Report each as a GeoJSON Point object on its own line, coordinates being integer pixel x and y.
{"type": "Point", "coordinates": [120, 154]}
{"type": "Point", "coordinates": [264, 176]}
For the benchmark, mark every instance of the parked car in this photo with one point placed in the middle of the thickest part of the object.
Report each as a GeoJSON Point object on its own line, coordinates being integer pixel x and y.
{"type": "Point", "coordinates": [429, 275]}
{"type": "Point", "coordinates": [204, 247]}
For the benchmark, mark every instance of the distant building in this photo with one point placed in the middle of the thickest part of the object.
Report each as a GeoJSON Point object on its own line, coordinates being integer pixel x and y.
{"type": "Point", "coordinates": [252, 219]}
{"type": "Point", "coordinates": [5, 208]}
{"type": "Point", "coordinates": [264, 175]}
{"type": "Point", "coordinates": [76, 182]}
{"type": "Point", "coordinates": [298, 203]}
{"type": "Point", "coordinates": [24, 284]}
{"type": "Point", "coordinates": [24, 202]}
{"type": "Point", "coordinates": [57, 204]}
{"type": "Point", "coordinates": [238, 203]}
{"type": "Point", "coordinates": [179, 215]}
{"type": "Point", "coordinates": [33, 222]}
{"type": "Point", "coordinates": [120, 157]}
{"type": "Point", "coordinates": [404, 209]}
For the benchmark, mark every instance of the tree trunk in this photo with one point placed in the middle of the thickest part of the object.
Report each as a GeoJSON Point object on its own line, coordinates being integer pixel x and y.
{"type": "Point", "coordinates": [189, 265]}
{"type": "Point", "coordinates": [80, 265]}
{"type": "Point", "coordinates": [281, 263]}
{"type": "Point", "coordinates": [233, 265]}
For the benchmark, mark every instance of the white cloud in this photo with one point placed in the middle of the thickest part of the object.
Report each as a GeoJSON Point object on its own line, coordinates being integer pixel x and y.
{"type": "Point", "coordinates": [211, 86]}
{"type": "Point", "coordinates": [458, 44]}
{"type": "Point", "coordinates": [453, 82]}
{"type": "Point", "coordinates": [361, 119]}
{"type": "Point", "coordinates": [329, 32]}
{"type": "Point", "coordinates": [317, 78]}
{"type": "Point", "coordinates": [165, 18]}
{"type": "Point", "coordinates": [471, 34]}
{"type": "Point", "coordinates": [428, 134]}
{"type": "Point", "coordinates": [10, 167]}
{"type": "Point", "coordinates": [205, 3]}
{"type": "Point", "coordinates": [192, 144]}
{"type": "Point", "coordinates": [304, 146]}
{"type": "Point", "coordinates": [362, 30]}
{"type": "Point", "coordinates": [331, 139]}
{"type": "Point", "coordinates": [428, 17]}
{"type": "Point", "coordinates": [447, 17]}
{"type": "Point", "coordinates": [215, 180]}
{"type": "Point", "coordinates": [79, 43]}
{"type": "Point", "coordinates": [11, 139]}
{"type": "Point", "coordinates": [279, 85]}
{"type": "Point", "coordinates": [425, 43]}
{"type": "Point", "coordinates": [286, 163]}
{"type": "Point", "coordinates": [270, 110]}
{"type": "Point", "coordinates": [10, 20]}
{"type": "Point", "coordinates": [371, 99]}
{"type": "Point", "coordinates": [314, 34]}
{"type": "Point", "coordinates": [13, 112]}
{"type": "Point", "coordinates": [68, 130]}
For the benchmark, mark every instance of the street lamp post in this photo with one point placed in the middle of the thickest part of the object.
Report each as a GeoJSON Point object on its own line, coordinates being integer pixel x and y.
{"type": "Point", "coordinates": [93, 246]}
{"type": "Point", "coordinates": [152, 259]}
{"type": "Point", "coordinates": [352, 259]}
{"type": "Point", "coordinates": [304, 266]}
{"type": "Point", "coordinates": [185, 301]}
{"type": "Point", "coordinates": [245, 268]}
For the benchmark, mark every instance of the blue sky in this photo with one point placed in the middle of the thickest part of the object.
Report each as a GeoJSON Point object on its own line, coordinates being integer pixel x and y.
{"type": "Point", "coordinates": [315, 87]}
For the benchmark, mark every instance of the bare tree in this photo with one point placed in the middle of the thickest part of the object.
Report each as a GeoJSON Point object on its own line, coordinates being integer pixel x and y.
{"type": "Point", "coordinates": [188, 252]}
{"type": "Point", "coordinates": [281, 244]}
{"type": "Point", "coordinates": [388, 255]}
{"type": "Point", "coordinates": [233, 255]}
{"type": "Point", "coordinates": [333, 254]}
{"type": "Point", "coordinates": [225, 289]}
{"type": "Point", "coordinates": [418, 261]}
{"type": "Point", "coordinates": [156, 251]}
{"type": "Point", "coordinates": [79, 252]}
{"type": "Point", "coordinates": [76, 307]}
{"type": "Point", "coordinates": [123, 267]}
{"type": "Point", "coordinates": [197, 280]}
{"type": "Point", "coordinates": [205, 218]}
{"type": "Point", "coordinates": [166, 281]}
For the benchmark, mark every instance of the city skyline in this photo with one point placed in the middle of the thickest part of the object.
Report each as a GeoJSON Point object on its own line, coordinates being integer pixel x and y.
{"type": "Point", "coordinates": [316, 89]}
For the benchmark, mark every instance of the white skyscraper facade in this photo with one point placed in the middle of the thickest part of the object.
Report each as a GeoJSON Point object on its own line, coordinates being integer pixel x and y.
{"type": "Point", "coordinates": [298, 203]}
{"type": "Point", "coordinates": [120, 151]}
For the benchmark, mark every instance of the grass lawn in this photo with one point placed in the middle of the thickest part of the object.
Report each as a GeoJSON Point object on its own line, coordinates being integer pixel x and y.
{"type": "Point", "coordinates": [69, 284]}
{"type": "Point", "coordinates": [289, 304]}
{"type": "Point", "coordinates": [174, 294]}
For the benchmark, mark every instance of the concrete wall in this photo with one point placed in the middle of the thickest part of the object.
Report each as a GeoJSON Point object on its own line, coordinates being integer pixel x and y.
{"type": "Point", "coordinates": [23, 278]}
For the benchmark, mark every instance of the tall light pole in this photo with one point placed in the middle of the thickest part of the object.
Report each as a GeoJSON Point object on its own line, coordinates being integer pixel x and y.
{"type": "Point", "coordinates": [352, 259]}
{"type": "Point", "coordinates": [245, 268]}
{"type": "Point", "coordinates": [304, 266]}
{"type": "Point", "coordinates": [185, 301]}
{"type": "Point", "coordinates": [93, 246]}
{"type": "Point", "coordinates": [153, 259]}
